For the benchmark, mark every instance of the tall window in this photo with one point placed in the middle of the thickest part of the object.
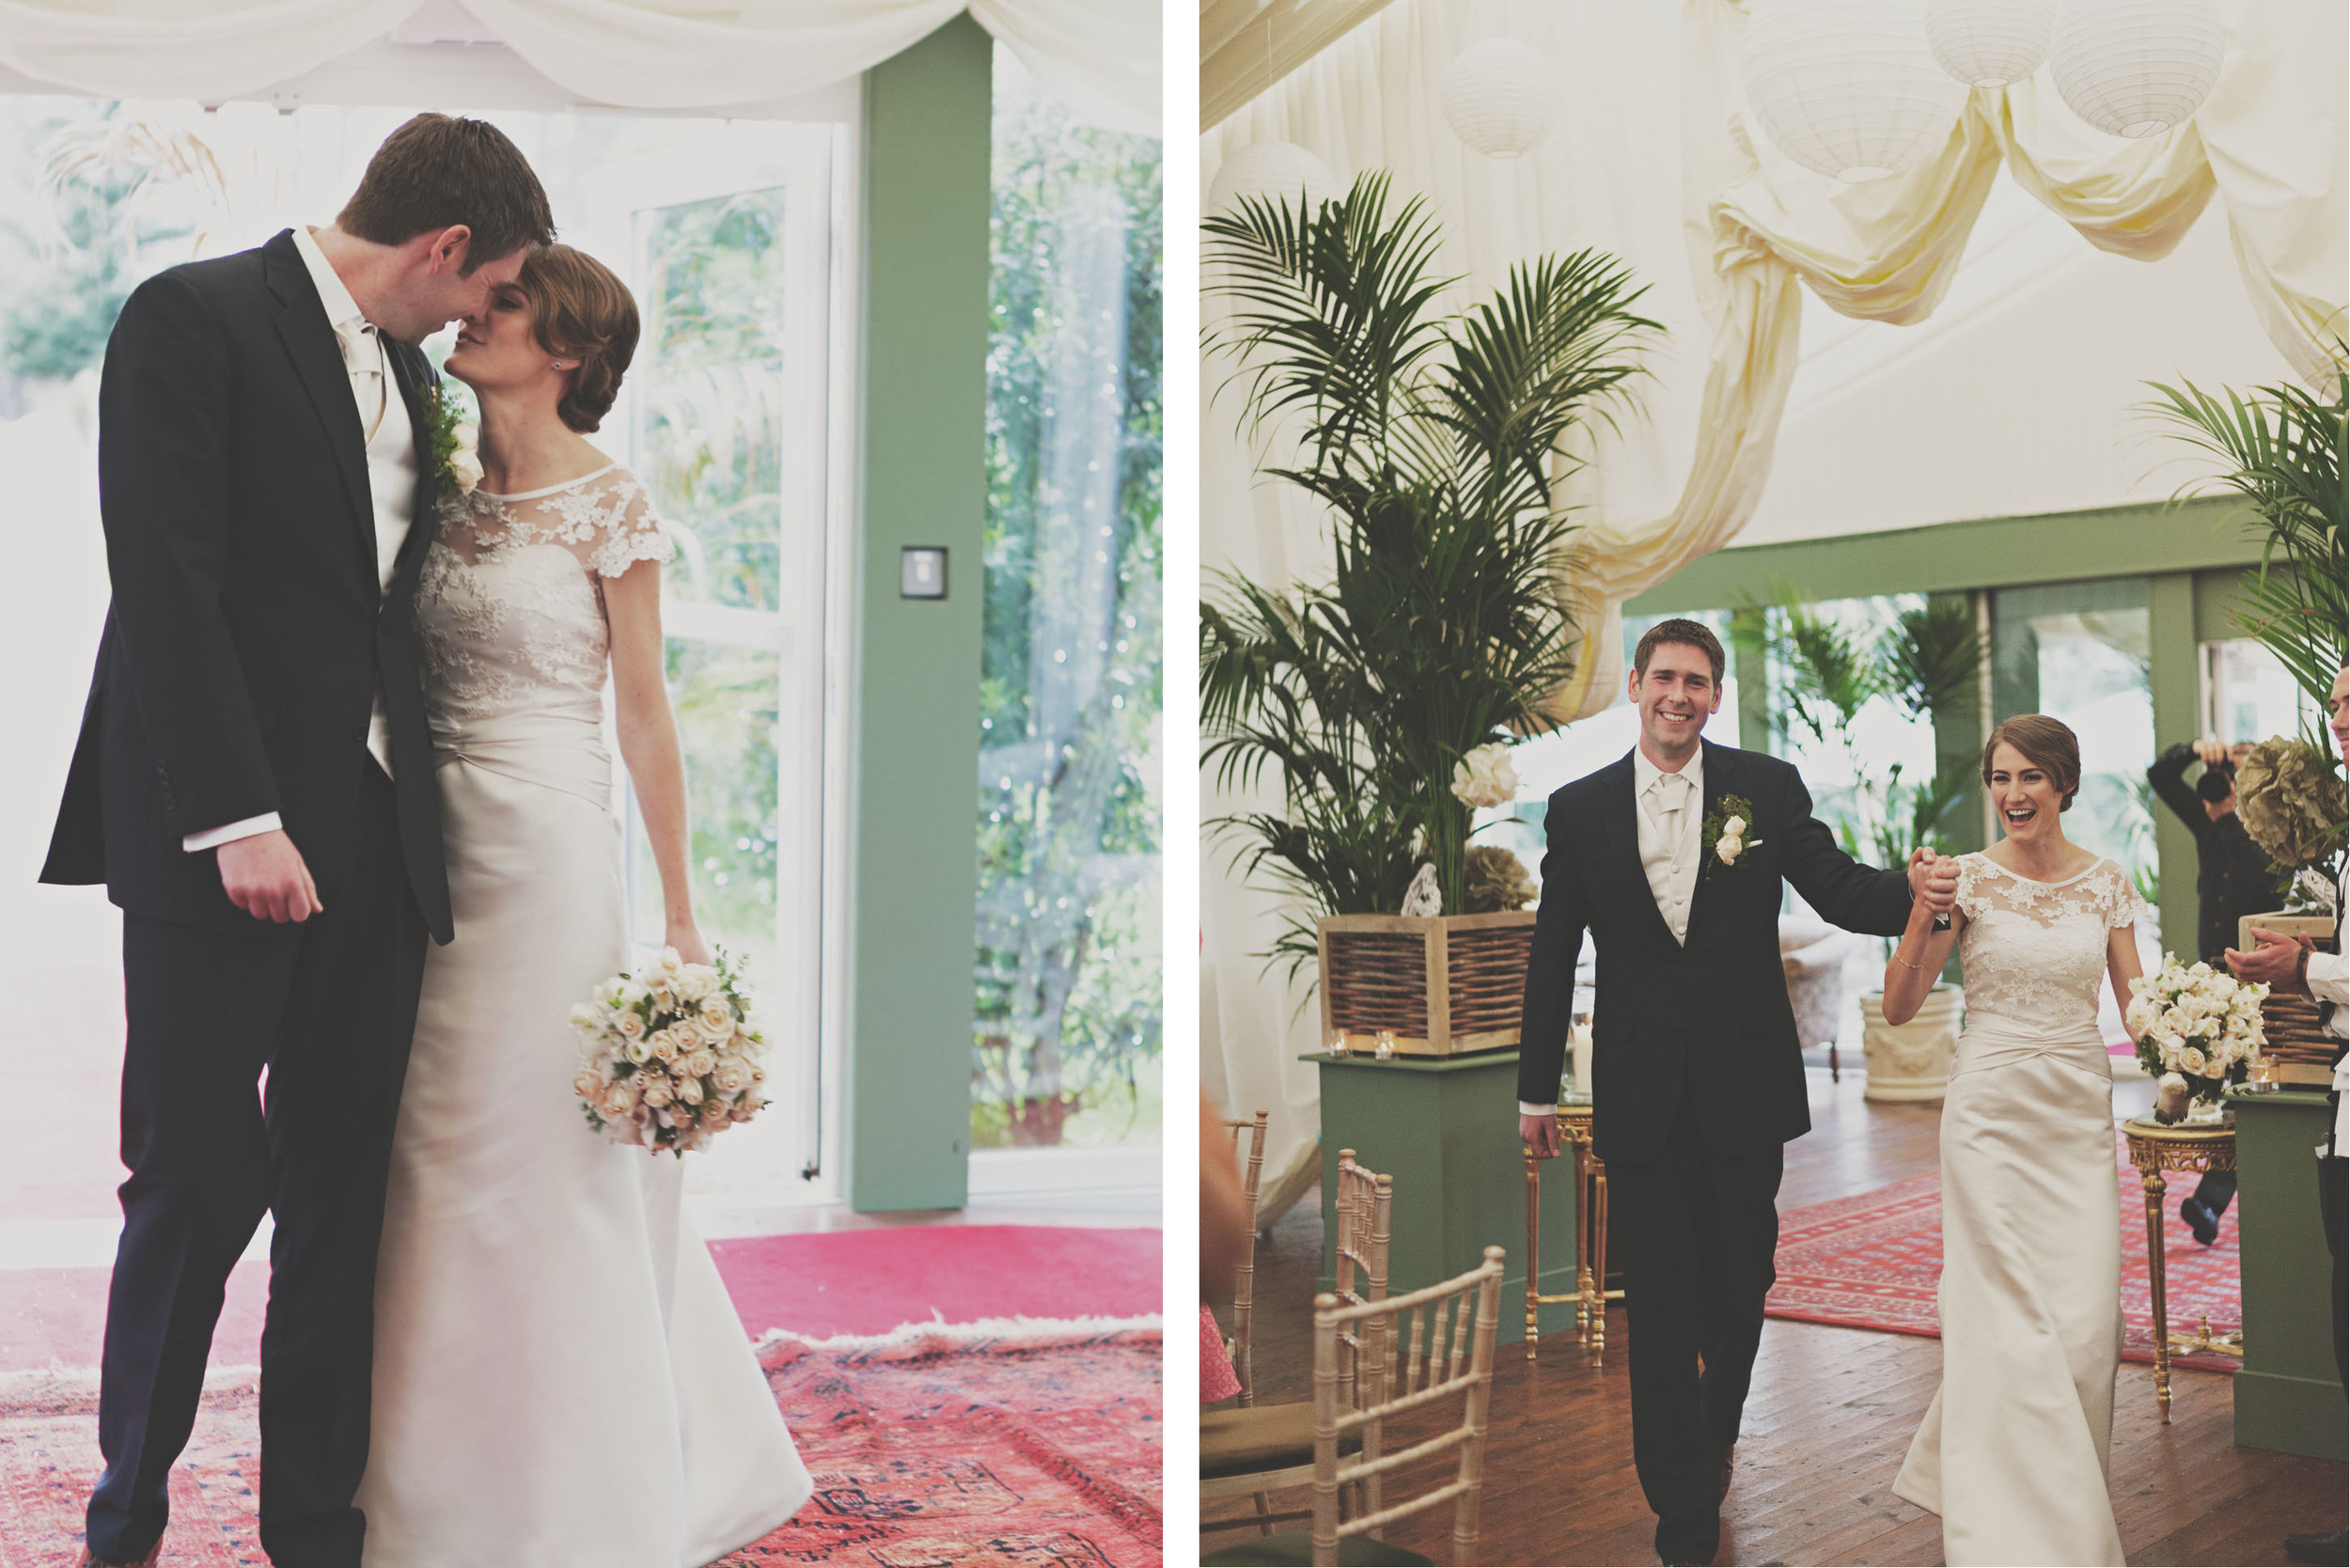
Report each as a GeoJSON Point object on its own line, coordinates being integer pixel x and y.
{"type": "Point", "coordinates": [1067, 1041]}
{"type": "Point", "coordinates": [2079, 652]}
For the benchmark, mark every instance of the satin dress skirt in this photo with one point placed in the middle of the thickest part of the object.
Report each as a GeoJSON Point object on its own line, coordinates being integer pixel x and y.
{"type": "Point", "coordinates": [2013, 1452]}
{"type": "Point", "coordinates": [560, 1379]}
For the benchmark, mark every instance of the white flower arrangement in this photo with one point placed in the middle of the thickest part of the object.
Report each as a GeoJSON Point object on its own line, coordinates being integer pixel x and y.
{"type": "Point", "coordinates": [2198, 1031]}
{"type": "Point", "coordinates": [1485, 777]}
{"type": "Point", "coordinates": [669, 1055]}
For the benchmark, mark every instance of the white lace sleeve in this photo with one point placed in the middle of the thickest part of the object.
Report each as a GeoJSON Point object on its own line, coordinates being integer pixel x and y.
{"type": "Point", "coordinates": [2123, 906]}
{"type": "Point", "coordinates": [1970, 886]}
{"type": "Point", "coordinates": [632, 532]}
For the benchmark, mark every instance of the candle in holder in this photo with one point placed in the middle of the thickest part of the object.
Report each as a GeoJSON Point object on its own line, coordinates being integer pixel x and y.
{"type": "Point", "coordinates": [1338, 1043]}
{"type": "Point", "coordinates": [1387, 1045]}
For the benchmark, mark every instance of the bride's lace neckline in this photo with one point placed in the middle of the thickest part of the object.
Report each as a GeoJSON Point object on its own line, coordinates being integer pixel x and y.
{"type": "Point", "coordinates": [2034, 881]}
{"type": "Point", "coordinates": [544, 488]}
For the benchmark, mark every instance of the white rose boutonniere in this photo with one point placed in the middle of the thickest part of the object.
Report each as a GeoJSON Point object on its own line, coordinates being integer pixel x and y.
{"type": "Point", "coordinates": [1727, 828]}
{"type": "Point", "coordinates": [456, 443]}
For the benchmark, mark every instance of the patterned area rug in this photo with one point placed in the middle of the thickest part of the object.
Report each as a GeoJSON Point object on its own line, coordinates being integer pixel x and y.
{"type": "Point", "coordinates": [1008, 1444]}
{"type": "Point", "coordinates": [1872, 1262]}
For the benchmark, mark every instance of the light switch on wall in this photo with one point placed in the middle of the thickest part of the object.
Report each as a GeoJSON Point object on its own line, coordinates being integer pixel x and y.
{"type": "Point", "coordinates": [922, 571]}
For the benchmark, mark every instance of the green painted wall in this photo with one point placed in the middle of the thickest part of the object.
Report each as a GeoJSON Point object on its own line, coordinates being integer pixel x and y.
{"type": "Point", "coordinates": [2175, 681]}
{"type": "Point", "coordinates": [2001, 552]}
{"type": "Point", "coordinates": [924, 352]}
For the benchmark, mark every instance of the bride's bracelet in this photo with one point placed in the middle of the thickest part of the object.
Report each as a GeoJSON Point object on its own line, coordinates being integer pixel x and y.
{"type": "Point", "coordinates": [1904, 963]}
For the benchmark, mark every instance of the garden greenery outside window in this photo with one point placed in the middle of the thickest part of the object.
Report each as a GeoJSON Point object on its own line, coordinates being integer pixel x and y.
{"type": "Point", "coordinates": [1067, 1021]}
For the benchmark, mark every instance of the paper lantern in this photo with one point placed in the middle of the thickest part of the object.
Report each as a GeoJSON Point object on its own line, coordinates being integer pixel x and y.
{"type": "Point", "coordinates": [1500, 98]}
{"type": "Point", "coordinates": [1990, 43]}
{"type": "Point", "coordinates": [2132, 68]}
{"type": "Point", "coordinates": [1848, 88]}
{"type": "Point", "coordinates": [1271, 170]}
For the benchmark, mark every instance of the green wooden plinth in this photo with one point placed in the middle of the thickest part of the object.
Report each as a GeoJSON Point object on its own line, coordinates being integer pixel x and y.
{"type": "Point", "coordinates": [1447, 1130]}
{"type": "Point", "coordinates": [2289, 1395]}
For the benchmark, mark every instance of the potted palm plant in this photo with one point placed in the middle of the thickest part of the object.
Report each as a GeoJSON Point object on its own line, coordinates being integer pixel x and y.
{"type": "Point", "coordinates": [1928, 662]}
{"type": "Point", "coordinates": [1433, 441]}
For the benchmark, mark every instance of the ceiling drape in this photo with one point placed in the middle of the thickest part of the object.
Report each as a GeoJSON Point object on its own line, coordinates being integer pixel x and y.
{"type": "Point", "coordinates": [1099, 57]}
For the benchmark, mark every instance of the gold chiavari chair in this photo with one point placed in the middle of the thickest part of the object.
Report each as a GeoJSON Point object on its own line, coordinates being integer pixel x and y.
{"type": "Point", "coordinates": [1264, 1448]}
{"type": "Point", "coordinates": [1244, 1288]}
{"type": "Point", "coordinates": [1440, 1353]}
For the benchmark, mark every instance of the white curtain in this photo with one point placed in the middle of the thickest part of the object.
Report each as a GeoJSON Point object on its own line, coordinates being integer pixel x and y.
{"type": "Point", "coordinates": [1652, 159]}
{"type": "Point", "coordinates": [1100, 56]}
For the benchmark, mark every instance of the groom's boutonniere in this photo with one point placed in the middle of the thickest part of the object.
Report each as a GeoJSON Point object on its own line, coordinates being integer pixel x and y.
{"type": "Point", "coordinates": [456, 442]}
{"type": "Point", "coordinates": [1727, 826]}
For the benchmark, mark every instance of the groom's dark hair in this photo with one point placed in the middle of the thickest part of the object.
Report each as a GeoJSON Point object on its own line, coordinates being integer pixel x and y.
{"type": "Point", "coordinates": [1689, 634]}
{"type": "Point", "coordinates": [436, 172]}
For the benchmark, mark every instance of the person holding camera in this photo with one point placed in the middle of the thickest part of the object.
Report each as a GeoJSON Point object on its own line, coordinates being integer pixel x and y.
{"type": "Point", "coordinates": [2233, 879]}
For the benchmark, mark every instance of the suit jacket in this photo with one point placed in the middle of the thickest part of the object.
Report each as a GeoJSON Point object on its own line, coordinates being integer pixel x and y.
{"type": "Point", "coordinates": [241, 657]}
{"type": "Point", "coordinates": [1710, 1019]}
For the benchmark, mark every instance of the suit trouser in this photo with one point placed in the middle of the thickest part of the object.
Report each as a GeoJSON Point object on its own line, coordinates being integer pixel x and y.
{"type": "Point", "coordinates": [328, 1008]}
{"type": "Point", "coordinates": [1700, 1230]}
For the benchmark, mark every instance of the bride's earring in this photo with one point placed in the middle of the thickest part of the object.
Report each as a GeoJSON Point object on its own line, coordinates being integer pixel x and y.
{"type": "Point", "coordinates": [556, 363]}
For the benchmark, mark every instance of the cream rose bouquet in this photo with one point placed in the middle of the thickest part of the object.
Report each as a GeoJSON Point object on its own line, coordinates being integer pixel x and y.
{"type": "Point", "coordinates": [669, 1054]}
{"type": "Point", "coordinates": [2198, 1031]}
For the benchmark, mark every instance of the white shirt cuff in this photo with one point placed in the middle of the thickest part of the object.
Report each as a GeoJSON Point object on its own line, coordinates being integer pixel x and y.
{"type": "Point", "coordinates": [1526, 1107]}
{"type": "Point", "coordinates": [211, 837]}
{"type": "Point", "coordinates": [2328, 978]}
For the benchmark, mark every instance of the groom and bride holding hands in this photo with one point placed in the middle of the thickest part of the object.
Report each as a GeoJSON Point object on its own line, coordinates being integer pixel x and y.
{"type": "Point", "coordinates": [342, 767]}
{"type": "Point", "coordinates": [1672, 861]}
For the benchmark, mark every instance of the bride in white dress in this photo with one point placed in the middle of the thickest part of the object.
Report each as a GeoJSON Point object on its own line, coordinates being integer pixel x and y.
{"type": "Point", "coordinates": [2013, 1450]}
{"type": "Point", "coordinates": [561, 1380]}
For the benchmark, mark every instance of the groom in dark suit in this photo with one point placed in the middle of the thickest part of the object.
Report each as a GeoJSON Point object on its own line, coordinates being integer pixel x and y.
{"type": "Point", "coordinates": [253, 783]}
{"type": "Point", "coordinates": [1672, 859]}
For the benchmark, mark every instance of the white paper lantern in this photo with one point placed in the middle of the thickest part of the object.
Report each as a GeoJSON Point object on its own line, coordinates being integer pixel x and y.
{"type": "Point", "coordinates": [1848, 88]}
{"type": "Point", "coordinates": [1274, 170]}
{"type": "Point", "coordinates": [1990, 43]}
{"type": "Point", "coordinates": [2132, 68]}
{"type": "Point", "coordinates": [1500, 98]}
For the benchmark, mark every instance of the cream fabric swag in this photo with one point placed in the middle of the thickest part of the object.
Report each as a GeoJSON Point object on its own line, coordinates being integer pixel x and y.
{"type": "Point", "coordinates": [1099, 57]}
{"type": "Point", "coordinates": [1654, 160]}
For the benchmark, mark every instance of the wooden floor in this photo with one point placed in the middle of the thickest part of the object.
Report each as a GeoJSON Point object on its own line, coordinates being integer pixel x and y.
{"type": "Point", "coordinates": [1826, 1424]}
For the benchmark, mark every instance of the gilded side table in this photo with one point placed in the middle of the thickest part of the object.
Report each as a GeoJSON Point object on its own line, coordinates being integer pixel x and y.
{"type": "Point", "coordinates": [2187, 1147]}
{"type": "Point", "coordinates": [1590, 1296]}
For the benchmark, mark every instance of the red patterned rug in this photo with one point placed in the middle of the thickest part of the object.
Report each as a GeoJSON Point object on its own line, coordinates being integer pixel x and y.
{"type": "Point", "coordinates": [1012, 1444]}
{"type": "Point", "coordinates": [1872, 1262]}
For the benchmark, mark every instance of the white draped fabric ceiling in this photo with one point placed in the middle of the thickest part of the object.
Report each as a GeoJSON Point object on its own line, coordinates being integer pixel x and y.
{"type": "Point", "coordinates": [1099, 57]}
{"type": "Point", "coordinates": [1654, 159]}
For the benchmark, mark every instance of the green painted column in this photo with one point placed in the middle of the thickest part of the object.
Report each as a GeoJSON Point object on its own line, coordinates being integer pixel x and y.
{"type": "Point", "coordinates": [1751, 665]}
{"type": "Point", "coordinates": [2288, 1396]}
{"type": "Point", "coordinates": [1447, 1130]}
{"type": "Point", "coordinates": [913, 874]}
{"type": "Point", "coordinates": [1958, 748]}
{"type": "Point", "coordinates": [2175, 677]}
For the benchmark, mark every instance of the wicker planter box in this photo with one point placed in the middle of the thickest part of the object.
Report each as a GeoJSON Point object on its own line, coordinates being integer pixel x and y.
{"type": "Point", "coordinates": [1445, 984]}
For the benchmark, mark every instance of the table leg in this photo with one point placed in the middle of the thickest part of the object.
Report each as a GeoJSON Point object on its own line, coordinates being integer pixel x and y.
{"type": "Point", "coordinates": [2154, 1188]}
{"type": "Point", "coordinates": [1533, 1250]}
{"type": "Point", "coordinates": [1599, 1259]}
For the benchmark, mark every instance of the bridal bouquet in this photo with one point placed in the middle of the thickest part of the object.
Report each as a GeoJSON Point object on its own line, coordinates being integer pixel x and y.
{"type": "Point", "coordinates": [2198, 1031]}
{"type": "Point", "coordinates": [669, 1055]}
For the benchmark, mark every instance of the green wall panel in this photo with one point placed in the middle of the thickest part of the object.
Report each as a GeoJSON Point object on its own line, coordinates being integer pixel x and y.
{"type": "Point", "coordinates": [924, 350]}
{"type": "Point", "coordinates": [2173, 673]}
{"type": "Point", "coordinates": [2001, 552]}
{"type": "Point", "coordinates": [2289, 1394]}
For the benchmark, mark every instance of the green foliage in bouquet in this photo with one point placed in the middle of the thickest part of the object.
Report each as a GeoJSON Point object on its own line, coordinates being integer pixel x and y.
{"type": "Point", "coordinates": [1927, 661]}
{"type": "Point", "coordinates": [2282, 447]}
{"type": "Point", "coordinates": [1433, 441]}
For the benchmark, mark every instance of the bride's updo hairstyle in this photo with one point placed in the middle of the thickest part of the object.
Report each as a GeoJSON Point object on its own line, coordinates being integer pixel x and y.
{"type": "Point", "coordinates": [2048, 745]}
{"type": "Point", "coordinates": [580, 311]}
